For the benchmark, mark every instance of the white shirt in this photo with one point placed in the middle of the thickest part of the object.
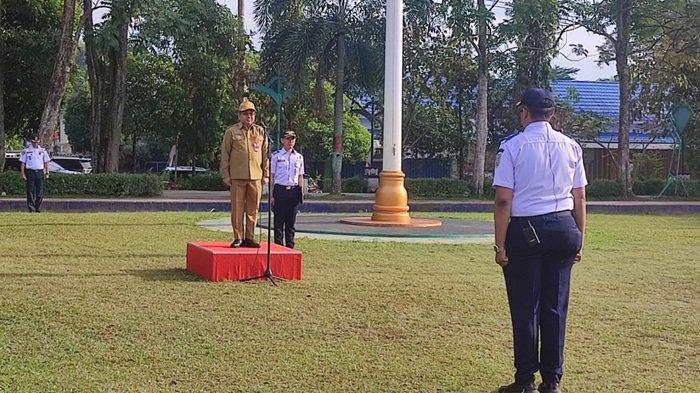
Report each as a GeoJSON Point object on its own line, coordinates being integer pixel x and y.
{"type": "Point", "coordinates": [287, 167]}
{"type": "Point", "coordinates": [34, 157]}
{"type": "Point", "coordinates": [541, 166]}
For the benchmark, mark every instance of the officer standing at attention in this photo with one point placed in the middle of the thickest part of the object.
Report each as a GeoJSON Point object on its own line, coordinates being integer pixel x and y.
{"type": "Point", "coordinates": [34, 169]}
{"type": "Point", "coordinates": [540, 220]}
{"type": "Point", "coordinates": [244, 169]}
{"type": "Point", "coordinates": [287, 193]}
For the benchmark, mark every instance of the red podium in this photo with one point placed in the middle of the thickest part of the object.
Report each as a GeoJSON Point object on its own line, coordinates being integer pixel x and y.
{"type": "Point", "coordinates": [216, 261]}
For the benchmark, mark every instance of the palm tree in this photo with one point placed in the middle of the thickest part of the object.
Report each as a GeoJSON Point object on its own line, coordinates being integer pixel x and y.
{"type": "Point", "coordinates": [319, 40]}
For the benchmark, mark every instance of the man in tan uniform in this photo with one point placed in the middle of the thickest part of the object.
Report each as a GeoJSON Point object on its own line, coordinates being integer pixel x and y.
{"type": "Point", "coordinates": [244, 169]}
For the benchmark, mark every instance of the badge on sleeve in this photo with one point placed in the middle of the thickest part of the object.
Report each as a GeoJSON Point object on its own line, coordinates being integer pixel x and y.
{"type": "Point", "coordinates": [498, 157]}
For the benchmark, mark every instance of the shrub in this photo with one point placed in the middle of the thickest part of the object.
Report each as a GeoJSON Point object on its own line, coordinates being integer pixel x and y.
{"type": "Point", "coordinates": [207, 182]}
{"type": "Point", "coordinates": [437, 188]}
{"type": "Point", "coordinates": [350, 185]}
{"type": "Point", "coordinates": [603, 189]}
{"type": "Point", "coordinates": [648, 187]}
{"type": "Point", "coordinates": [102, 184]}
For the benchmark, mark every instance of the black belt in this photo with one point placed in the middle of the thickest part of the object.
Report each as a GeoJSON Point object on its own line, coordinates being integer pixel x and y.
{"type": "Point", "coordinates": [286, 187]}
{"type": "Point", "coordinates": [34, 170]}
{"type": "Point", "coordinates": [563, 213]}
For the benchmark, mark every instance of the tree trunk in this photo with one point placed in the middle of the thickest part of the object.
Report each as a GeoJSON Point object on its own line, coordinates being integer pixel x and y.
{"type": "Point", "coordinates": [118, 92]}
{"type": "Point", "coordinates": [623, 73]}
{"type": "Point", "coordinates": [95, 80]}
{"type": "Point", "coordinates": [133, 153]}
{"type": "Point", "coordinates": [337, 155]}
{"type": "Point", "coordinates": [481, 108]}
{"type": "Point", "coordinates": [3, 136]}
{"type": "Point", "coordinates": [241, 10]}
{"type": "Point", "coordinates": [59, 76]}
{"type": "Point", "coordinates": [462, 140]}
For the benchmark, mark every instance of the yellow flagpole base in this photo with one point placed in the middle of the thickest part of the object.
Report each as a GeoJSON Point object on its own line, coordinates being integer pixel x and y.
{"type": "Point", "coordinates": [391, 199]}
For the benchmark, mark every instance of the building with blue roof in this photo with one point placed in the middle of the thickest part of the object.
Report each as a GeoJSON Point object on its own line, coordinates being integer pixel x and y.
{"type": "Point", "coordinates": [602, 98]}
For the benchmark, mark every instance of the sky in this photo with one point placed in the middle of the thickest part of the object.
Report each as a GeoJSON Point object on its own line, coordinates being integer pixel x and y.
{"type": "Point", "coordinates": [589, 69]}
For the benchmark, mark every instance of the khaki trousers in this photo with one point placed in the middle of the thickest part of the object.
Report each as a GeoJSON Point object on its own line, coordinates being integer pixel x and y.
{"type": "Point", "coordinates": [245, 197]}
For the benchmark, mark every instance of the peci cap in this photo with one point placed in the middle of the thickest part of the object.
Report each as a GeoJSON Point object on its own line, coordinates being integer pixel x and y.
{"type": "Point", "coordinates": [35, 138]}
{"type": "Point", "coordinates": [246, 105]}
{"type": "Point", "coordinates": [537, 98]}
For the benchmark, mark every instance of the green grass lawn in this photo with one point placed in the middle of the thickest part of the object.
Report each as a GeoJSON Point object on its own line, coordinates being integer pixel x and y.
{"type": "Point", "coordinates": [101, 302]}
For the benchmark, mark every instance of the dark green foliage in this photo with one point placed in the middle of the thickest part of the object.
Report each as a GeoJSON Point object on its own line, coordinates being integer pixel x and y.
{"type": "Point", "coordinates": [352, 185]}
{"type": "Point", "coordinates": [603, 189]}
{"type": "Point", "coordinates": [113, 185]}
{"type": "Point", "coordinates": [437, 188]}
{"type": "Point", "coordinates": [208, 182]}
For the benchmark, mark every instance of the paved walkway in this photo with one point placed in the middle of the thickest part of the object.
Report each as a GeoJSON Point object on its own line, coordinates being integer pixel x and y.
{"type": "Point", "coordinates": [180, 200]}
{"type": "Point", "coordinates": [328, 226]}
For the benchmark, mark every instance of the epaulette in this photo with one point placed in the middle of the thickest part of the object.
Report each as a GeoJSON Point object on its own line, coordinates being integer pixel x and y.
{"type": "Point", "coordinates": [509, 137]}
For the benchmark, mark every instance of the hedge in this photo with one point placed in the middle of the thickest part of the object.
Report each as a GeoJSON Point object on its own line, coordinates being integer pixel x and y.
{"type": "Point", "coordinates": [350, 185]}
{"type": "Point", "coordinates": [102, 184]}
{"type": "Point", "coordinates": [207, 182]}
{"type": "Point", "coordinates": [603, 189]}
{"type": "Point", "coordinates": [437, 188]}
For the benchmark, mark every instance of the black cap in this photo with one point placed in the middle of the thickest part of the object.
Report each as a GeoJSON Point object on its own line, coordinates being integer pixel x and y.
{"type": "Point", "coordinates": [537, 98]}
{"type": "Point", "coordinates": [35, 137]}
{"type": "Point", "coordinates": [289, 134]}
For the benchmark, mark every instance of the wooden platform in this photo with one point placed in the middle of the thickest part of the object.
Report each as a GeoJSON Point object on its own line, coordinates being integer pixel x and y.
{"type": "Point", "coordinates": [216, 261]}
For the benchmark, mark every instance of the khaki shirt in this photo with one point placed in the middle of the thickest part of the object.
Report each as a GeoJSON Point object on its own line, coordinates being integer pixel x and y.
{"type": "Point", "coordinates": [244, 154]}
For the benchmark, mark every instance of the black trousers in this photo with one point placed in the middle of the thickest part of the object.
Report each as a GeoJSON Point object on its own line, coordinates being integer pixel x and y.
{"type": "Point", "coordinates": [287, 200]}
{"type": "Point", "coordinates": [35, 189]}
{"type": "Point", "coordinates": [537, 282]}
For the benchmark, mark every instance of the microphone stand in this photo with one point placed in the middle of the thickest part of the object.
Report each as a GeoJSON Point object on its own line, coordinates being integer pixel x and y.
{"type": "Point", "coordinates": [267, 274]}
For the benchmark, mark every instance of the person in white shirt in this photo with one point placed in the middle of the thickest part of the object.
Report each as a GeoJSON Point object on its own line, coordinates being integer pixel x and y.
{"type": "Point", "coordinates": [540, 220]}
{"type": "Point", "coordinates": [34, 169]}
{"type": "Point", "coordinates": [287, 172]}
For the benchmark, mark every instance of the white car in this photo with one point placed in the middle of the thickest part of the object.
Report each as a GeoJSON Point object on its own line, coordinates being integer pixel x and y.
{"type": "Point", "coordinates": [56, 168]}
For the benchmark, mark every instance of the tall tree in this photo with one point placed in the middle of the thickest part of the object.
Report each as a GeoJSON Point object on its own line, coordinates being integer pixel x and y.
{"type": "Point", "coordinates": [612, 19]}
{"type": "Point", "coordinates": [305, 38]}
{"type": "Point", "coordinates": [29, 34]}
{"type": "Point", "coordinates": [106, 53]}
{"type": "Point", "coordinates": [205, 44]}
{"type": "Point", "coordinates": [622, 55]}
{"type": "Point", "coordinates": [61, 71]}
{"type": "Point", "coordinates": [481, 101]}
{"type": "Point", "coordinates": [666, 68]}
{"type": "Point", "coordinates": [3, 136]}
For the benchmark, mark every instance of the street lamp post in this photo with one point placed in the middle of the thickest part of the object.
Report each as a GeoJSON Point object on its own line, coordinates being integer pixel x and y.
{"type": "Point", "coordinates": [275, 89]}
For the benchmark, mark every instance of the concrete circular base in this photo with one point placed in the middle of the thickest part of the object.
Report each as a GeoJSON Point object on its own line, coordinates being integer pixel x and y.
{"type": "Point", "coordinates": [330, 227]}
{"type": "Point", "coordinates": [413, 223]}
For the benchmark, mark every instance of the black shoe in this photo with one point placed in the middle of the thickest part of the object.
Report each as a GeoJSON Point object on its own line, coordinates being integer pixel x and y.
{"type": "Point", "coordinates": [519, 387]}
{"type": "Point", "coordinates": [236, 243]}
{"type": "Point", "coordinates": [250, 243]}
{"type": "Point", "coordinates": [549, 387]}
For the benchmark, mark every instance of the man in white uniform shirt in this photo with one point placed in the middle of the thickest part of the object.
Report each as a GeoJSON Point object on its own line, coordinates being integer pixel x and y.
{"type": "Point", "coordinates": [540, 219]}
{"type": "Point", "coordinates": [34, 169]}
{"type": "Point", "coordinates": [288, 179]}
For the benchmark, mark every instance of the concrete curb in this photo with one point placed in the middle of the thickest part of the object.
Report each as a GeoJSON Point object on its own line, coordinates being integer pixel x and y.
{"type": "Point", "coordinates": [312, 206]}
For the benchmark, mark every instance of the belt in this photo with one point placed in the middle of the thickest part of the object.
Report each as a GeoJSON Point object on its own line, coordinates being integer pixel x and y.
{"type": "Point", "coordinates": [34, 170]}
{"type": "Point", "coordinates": [563, 213]}
{"type": "Point", "coordinates": [286, 187]}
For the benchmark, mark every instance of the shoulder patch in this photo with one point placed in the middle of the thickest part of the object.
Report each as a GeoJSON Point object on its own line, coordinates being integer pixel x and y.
{"type": "Point", "coordinates": [509, 137]}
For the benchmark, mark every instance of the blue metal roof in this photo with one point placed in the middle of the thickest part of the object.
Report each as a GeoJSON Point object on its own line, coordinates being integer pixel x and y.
{"type": "Point", "coordinates": [602, 98]}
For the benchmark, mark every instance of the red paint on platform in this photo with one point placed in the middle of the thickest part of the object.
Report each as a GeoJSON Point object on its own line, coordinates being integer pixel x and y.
{"type": "Point", "coordinates": [216, 261]}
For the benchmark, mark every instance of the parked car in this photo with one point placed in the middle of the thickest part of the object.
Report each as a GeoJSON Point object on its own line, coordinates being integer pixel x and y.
{"type": "Point", "coordinates": [183, 170]}
{"type": "Point", "coordinates": [72, 165]}
{"type": "Point", "coordinates": [57, 168]}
